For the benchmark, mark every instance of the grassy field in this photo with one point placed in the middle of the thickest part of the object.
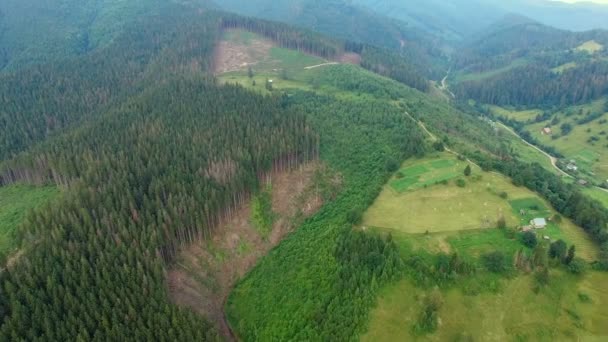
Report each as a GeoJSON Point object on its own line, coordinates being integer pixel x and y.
{"type": "Point", "coordinates": [15, 201]}
{"type": "Point", "coordinates": [519, 115]}
{"type": "Point", "coordinates": [564, 67]}
{"type": "Point", "coordinates": [447, 211]}
{"type": "Point", "coordinates": [285, 67]}
{"type": "Point", "coordinates": [590, 46]}
{"type": "Point", "coordinates": [462, 77]}
{"type": "Point", "coordinates": [512, 313]}
{"type": "Point", "coordinates": [591, 155]}
{"type": "Point", "coordinates": [415, 204]}
{"type": "Point", "coordinates": [597, 194]}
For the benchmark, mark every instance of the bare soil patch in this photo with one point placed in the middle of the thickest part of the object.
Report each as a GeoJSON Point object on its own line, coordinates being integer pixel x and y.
{"type": "Point", "coordinates": [350, 58]}
{"type": "Point", "coordinates": [232, 56]}
{"type": "Point", "coordinates": [206, 271]}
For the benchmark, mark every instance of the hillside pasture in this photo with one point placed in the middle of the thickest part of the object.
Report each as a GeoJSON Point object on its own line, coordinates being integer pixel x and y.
{"type": "Point", "coordinates": [15, 202]}
{"type": "Point", "coordinates": [239, 50]}
{"type": "Point", "coordinates": [448, 217]}
{"type": "Point", "coordinates": [424, 174]}
{"type": "Point", "coordinates": [564, 67]}
{"type": "Point", "coordinates": [530, 208]}
{"type": "Point", "coordinates": [590, 46]}
{"type": "Point", "coordinates": [513, 114]}
{"type": "Point", "coordinates": [476, 76]}
{"type": "Point", "coordinates": [587, 143]}
{"type": "Point", "coordinates": [512, 311]}
{"type": "Point", "coordinates": [420, 201]}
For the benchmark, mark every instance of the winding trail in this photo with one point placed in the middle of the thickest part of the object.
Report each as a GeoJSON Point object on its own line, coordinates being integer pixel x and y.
{"type": "Point", "coordinates": [434, 138]}
{"type": "Point", "coordinates": [320, 65]}
{"type": "Point", "coordinates": [551, 158]}
{"type": "Point", "coordinates": [444, 84]}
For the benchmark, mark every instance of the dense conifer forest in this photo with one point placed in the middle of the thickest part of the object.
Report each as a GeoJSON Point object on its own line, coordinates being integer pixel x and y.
{"type": "Point", "coordinates": [146, 151]}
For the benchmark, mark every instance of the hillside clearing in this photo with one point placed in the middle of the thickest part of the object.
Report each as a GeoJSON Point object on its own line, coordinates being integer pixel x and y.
{"type": "Point", "coordinates": [511, 312]}
{"type": "Point", "coordinates": [205, 272]}
{"type": "Point", "coordinates": [432, 207]}
{"type": "Point", "coordinates": [446, 209]}
{"type": "Point", "coordinates": [590, 46]}
{"type": "Point", "coordinates": [15, 202]}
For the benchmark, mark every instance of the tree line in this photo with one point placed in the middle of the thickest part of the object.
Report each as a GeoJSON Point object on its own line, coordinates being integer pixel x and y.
{"type": "Point", "coordinates": [144, 174]}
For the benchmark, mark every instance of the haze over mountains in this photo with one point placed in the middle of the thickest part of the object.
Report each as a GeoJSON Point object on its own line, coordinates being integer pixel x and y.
{"type": "Point", "coordinates": [456, 19]}
{"type": "Point", "coordinates": [303, 170]}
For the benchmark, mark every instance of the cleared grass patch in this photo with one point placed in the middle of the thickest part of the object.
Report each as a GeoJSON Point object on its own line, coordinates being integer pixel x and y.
{"type": "Point", "coordinates": [519, 115]}
{"type": "Point", "coordinates": [514, 313]}
{"type": "Point", "coordinates": [566, 230]}
{"type": "Point", "coordinates": [476, 76]}
{"type": "Point", "coordinates": [586, 143]}
{"type": "Point", "coordinates": [564, 67]}
{"type": "Point", "coordinates": [424, 206]}
{"type": "Point", "coordinates": [590, 46]}
{"type": "Point", "coordinates": [466, 218]}
{"type": "Point", "coordinates": [426, 173]}
{"type": "Point", "coordinates": [15, 202]}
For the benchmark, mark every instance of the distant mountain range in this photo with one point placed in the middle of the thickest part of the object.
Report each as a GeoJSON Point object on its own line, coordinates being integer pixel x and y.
{"type": "Point", "coordinates": [456, 19]}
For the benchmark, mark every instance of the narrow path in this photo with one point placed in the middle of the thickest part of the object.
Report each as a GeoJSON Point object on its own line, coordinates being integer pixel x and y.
{"type": "Point", "coordinates": [320, 65]}
{"type": "Point", "coordinates": [444, 84]}
{"type": "Point", "coordinates": [434, 138]}
{"type": "Point", "coordinates": [551, 158]}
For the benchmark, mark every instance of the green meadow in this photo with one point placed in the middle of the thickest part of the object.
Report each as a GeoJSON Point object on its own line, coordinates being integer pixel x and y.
{"type": "Point", "coordinates": [568, 308]}
{"type": "Point", "coordinates": [15, 202]}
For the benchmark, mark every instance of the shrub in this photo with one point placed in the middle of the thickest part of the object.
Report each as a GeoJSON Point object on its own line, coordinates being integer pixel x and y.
{"type": "Point", "coordinates": [577, 266]}
{"type": "Point", "coordinates": [557, 218]}
{"type": "Point", "coordinates": [558, 249]}
{"type": "Point", "coordinates": [501, 222]}
{"type": "Point", "coordinates": [467, 170]}
{"type": "Point", "coordinates": [429, 318]}
{"type": "Point", "coordinates": [461, 183]}
{"type": "Point", "coordinates": [529, 239]}
{"type": "Point", "coordinates": [495, 262]}
{"type": "Point", "coordinates": [504, 195]}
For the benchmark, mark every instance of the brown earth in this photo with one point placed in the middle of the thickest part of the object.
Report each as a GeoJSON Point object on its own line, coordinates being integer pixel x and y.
{"type": "Point", "coordinates": [350, 58]}
{"type": "Point", "coordinates": [205, 272]}
{"type": "Point", "coordinates": [232, 56]}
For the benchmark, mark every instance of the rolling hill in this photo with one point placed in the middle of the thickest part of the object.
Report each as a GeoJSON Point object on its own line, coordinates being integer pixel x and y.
{"type": "Point", "coordinates": [197, 175]}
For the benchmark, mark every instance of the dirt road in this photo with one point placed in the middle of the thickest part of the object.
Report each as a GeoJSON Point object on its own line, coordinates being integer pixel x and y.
{"type": "Point", "coordinates": [320, 65]}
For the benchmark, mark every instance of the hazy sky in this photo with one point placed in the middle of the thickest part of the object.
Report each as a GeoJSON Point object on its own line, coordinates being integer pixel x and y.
{"type": "Point", "coordinates": [603, 2]}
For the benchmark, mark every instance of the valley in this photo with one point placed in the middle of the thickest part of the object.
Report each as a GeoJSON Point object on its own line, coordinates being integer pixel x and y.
{"type": "Point", "coordinates": [308, 170]}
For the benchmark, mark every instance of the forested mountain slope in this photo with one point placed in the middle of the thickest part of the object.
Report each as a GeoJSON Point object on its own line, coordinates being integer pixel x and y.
{"type": "Point", "coordinates": [342, 19]}
{"type": "Point", "coordinates": [92, 262]}
{"type": "Point", "coordinates": [151, 151]}
{"type": "Point", "coordinates": [38, 31]}
{"type": "Point", "coordinates": [458, 19]}
{"type": "Point", "coordinates": [522, 62]}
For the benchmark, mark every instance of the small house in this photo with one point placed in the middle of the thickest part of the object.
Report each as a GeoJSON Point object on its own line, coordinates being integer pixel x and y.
{"type": "Point", "coordinates": [582, 182]}
{"type": "Point", "coordinates": [571, 167]}
{"type": "Point", "coordinates": [538, 223]}
{"type": "Point", "coordinates": [547, 131]}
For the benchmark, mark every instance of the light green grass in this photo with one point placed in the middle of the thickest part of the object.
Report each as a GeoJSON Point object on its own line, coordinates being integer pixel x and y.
{"type": "Point", "coordinates": [566, 230]}
{"type": "Point", "coordinates": [426, 173]}
{"type": "Point", "coordinates": [462, 77]}
{"type": "Point", "coordinates": [519, 115]}
{"type": "Point", "coordinates": [448, 208]}
{"type": "Point", "coordinates": [441, 208]}
{"type": "Point", "coordinates": [590, 46]}
{"type": "Point", "coordinates": [564, 67]}
{"type": "Point", "coordinates": [592, 156]}
{"type": "Point", "coordinates": [515, 313]}
{"type": "Point", "coordinates": [240, 36]}
{"type": "Point", "coordinates": [597, 194]}
{"type": "Point", "coordinates": [15, 202]}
